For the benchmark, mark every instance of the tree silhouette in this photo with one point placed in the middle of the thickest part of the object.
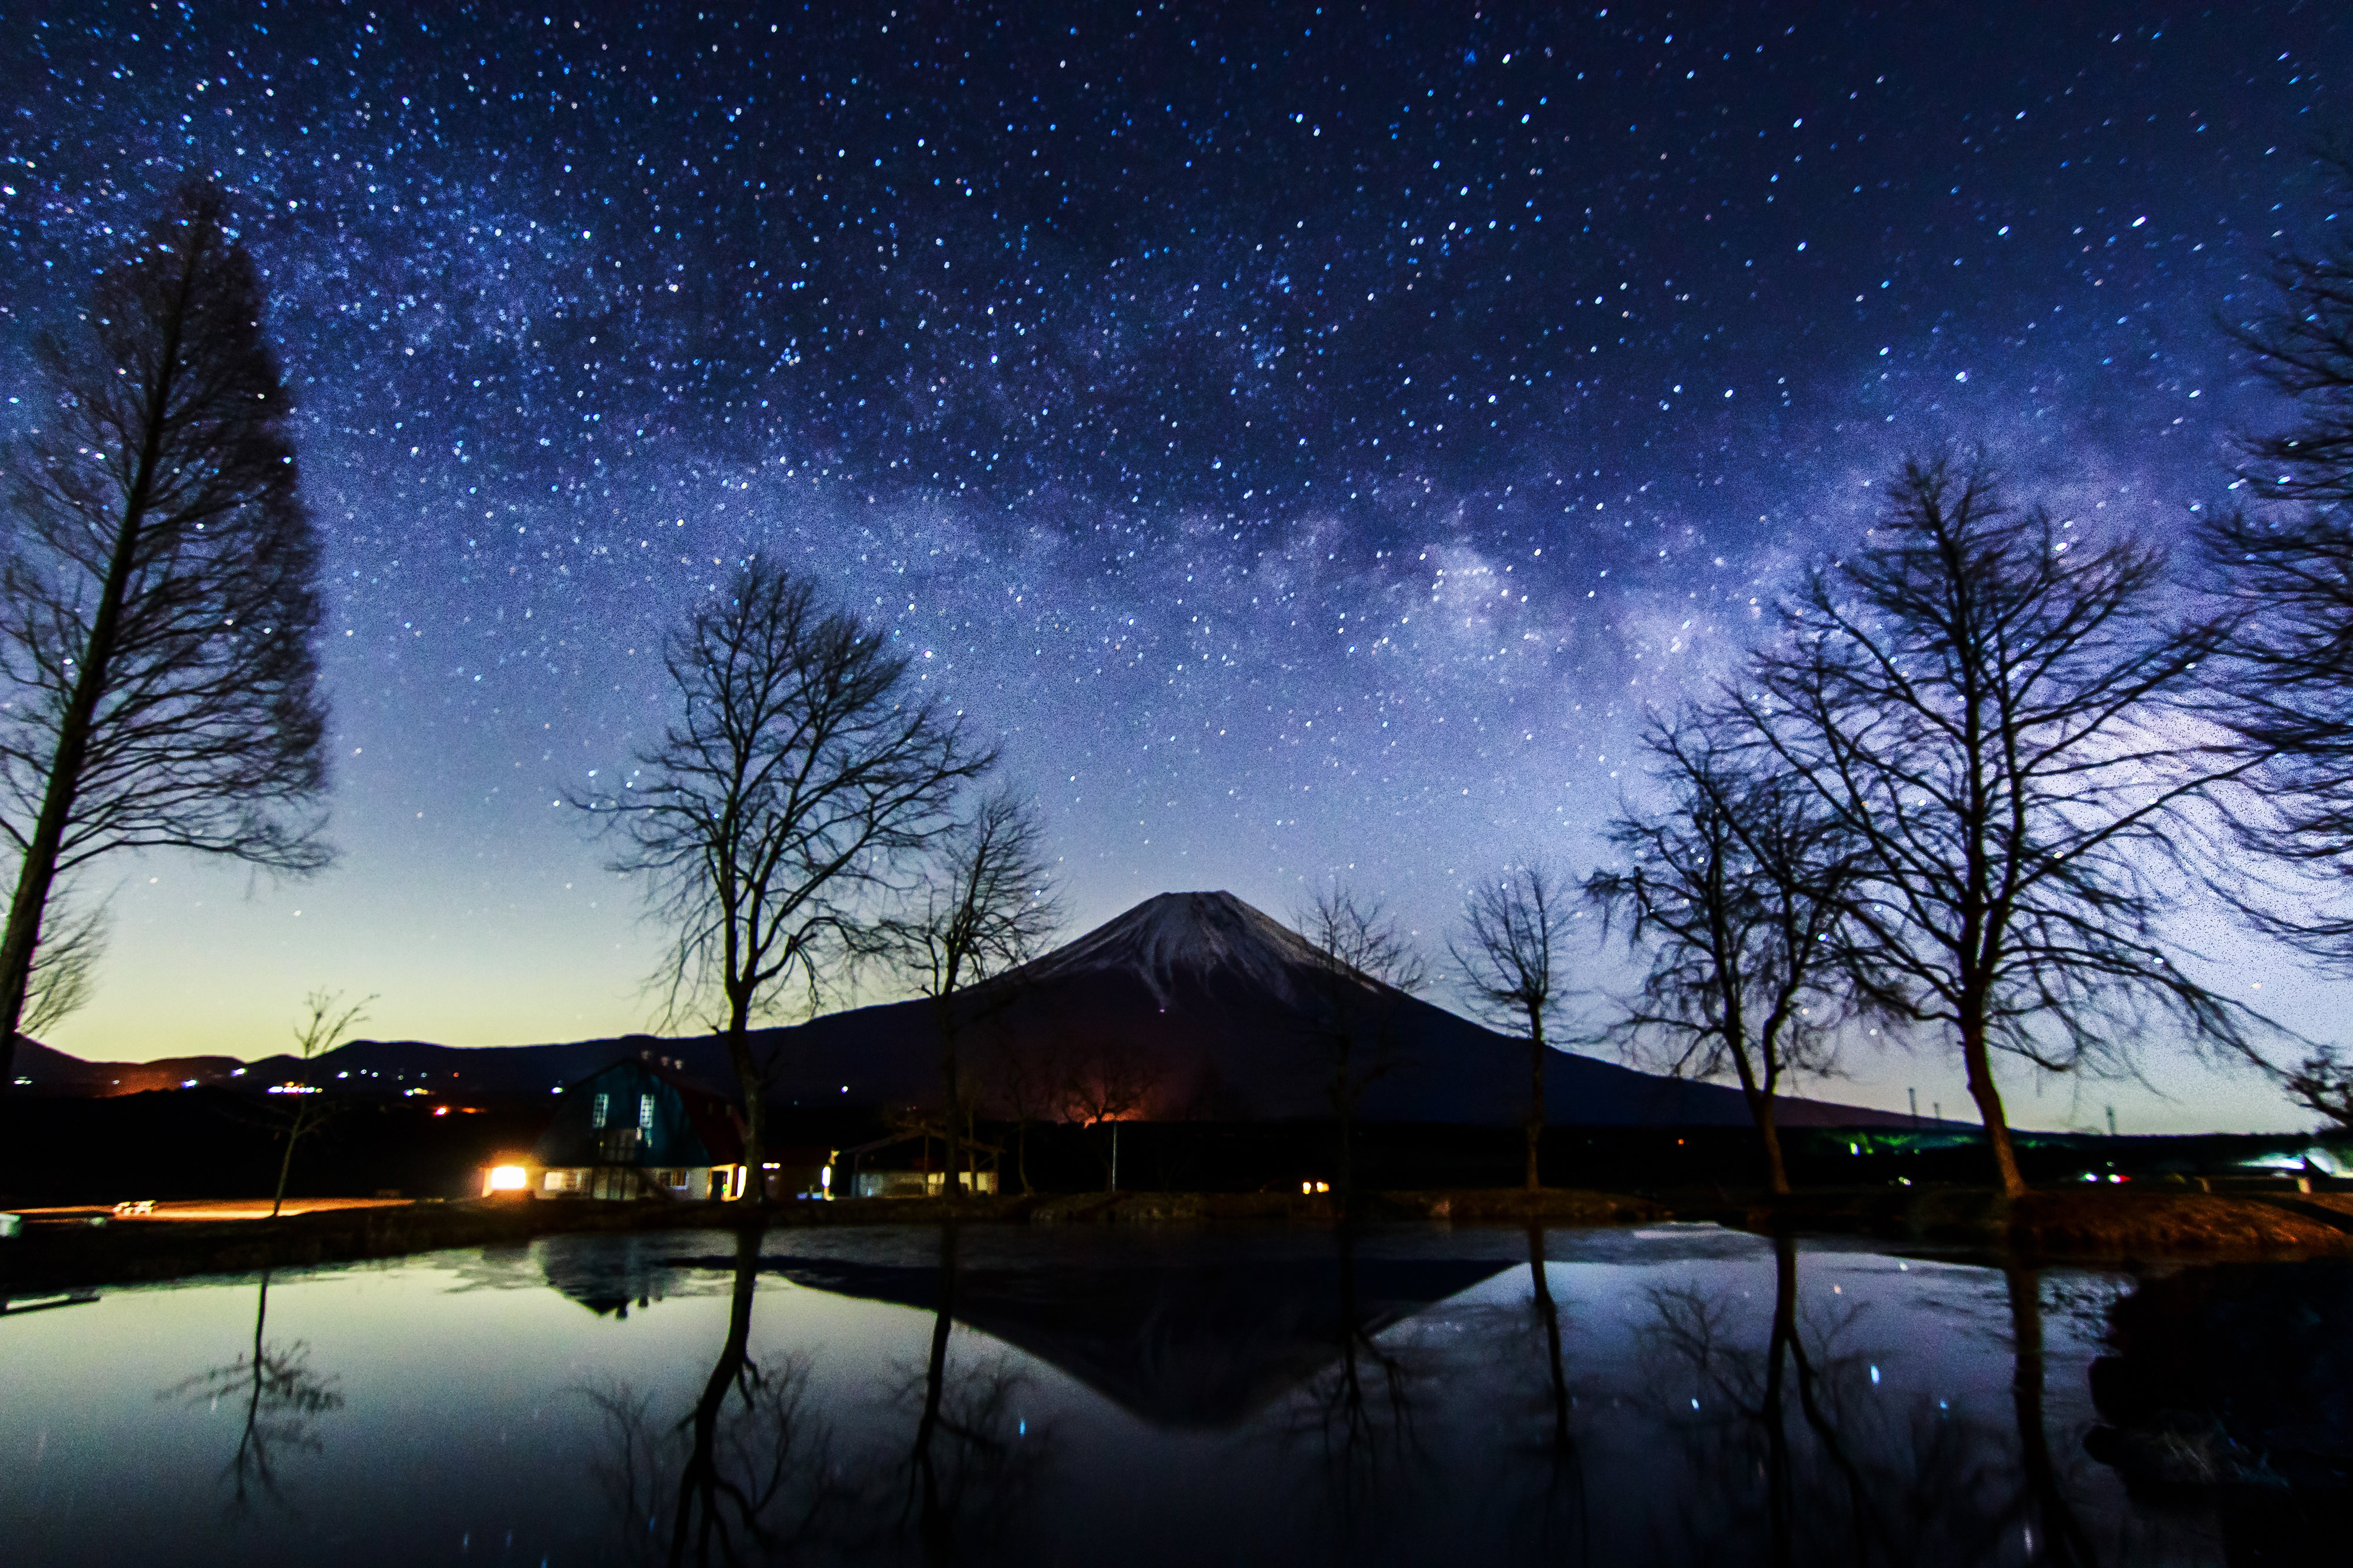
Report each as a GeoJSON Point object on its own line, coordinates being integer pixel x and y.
{"type": "Point", "coordinates": [1736, 888]}
{"type": "Point", "coordinates": [319, 1032]}
{"type": "Point", "coordinates": [281, 1399]}
{"type": "Point", "coordinates": [158, 598]}
{"type": "Point", "coordinates": [984, 910]}
{"type": "Point", "coordinates": [2286, 563]}
{"type": "Point", "coordinates": [1363, 969]}
{"type": "Point", "coordinates": [803, 769]}
{"type": "Point", "coordinates": [1509, 957]}
{"type": "Point", "coordinates": [1993, 707]}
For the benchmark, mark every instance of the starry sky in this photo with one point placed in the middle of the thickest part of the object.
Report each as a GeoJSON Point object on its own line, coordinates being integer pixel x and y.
{"type": "Point", "coordinates": [1307, 436]}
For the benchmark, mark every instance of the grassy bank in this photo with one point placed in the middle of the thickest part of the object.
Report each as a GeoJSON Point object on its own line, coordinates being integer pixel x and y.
{"type": "Point", "coordinates": [2088, 1225]}
{"type": "Point", "coordinates": [2082, 1224]}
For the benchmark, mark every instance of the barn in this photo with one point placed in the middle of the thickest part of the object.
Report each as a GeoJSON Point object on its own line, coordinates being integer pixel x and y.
{"type": "Point", "coordinates": [639, 1129]}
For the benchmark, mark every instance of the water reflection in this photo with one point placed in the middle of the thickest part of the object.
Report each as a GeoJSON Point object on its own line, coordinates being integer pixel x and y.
{"type": "Point", "coordinates": [1795, 1451]}
{"type": "Point", "coordinates": [742, 1477]}
{"type": "Point", "coordinates": [976, 1395]}
{"type": "Point", "coordinates": [1357, 1414]}
{"type": "Point", "coordinates": [1551, 1503]}
{"type": "Point", "coordinates": [977, 1461]}
{"type": "Point", "coordinates": [2054, 1532]}
{"type": "Point", "coordinates": [1196, 1338]}
{"type": "Point", "coordinates": [608, 1274]}
{"type": "Point", "coordinates": [281, 1398]}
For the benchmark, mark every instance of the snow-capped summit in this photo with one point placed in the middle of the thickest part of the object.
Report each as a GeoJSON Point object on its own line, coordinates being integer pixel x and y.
{"type": "Point", "coordinates": [1175, 939]}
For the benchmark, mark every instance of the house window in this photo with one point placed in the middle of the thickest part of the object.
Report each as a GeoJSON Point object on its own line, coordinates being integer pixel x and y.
{"type": "Point", "coordinates": [604, 1105]}
{"type": "Point", "coordinates": [645, 1112]}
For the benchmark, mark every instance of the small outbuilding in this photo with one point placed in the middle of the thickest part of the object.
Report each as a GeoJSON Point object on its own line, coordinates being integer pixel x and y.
{"type": "Point", "coordinates": [639, 1129]}
{"type": "Point", "coordinates": [904, 1165]}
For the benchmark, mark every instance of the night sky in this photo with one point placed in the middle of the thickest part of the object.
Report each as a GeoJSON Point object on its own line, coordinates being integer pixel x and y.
{"type": "Point", "coordinates": [1308, 437]}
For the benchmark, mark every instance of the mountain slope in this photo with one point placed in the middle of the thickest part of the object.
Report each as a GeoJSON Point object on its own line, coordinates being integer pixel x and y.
{"type": "Point", "coordinates": [1196, 1004]}
{"type": "Point", "coordinates": [1213, 1004]}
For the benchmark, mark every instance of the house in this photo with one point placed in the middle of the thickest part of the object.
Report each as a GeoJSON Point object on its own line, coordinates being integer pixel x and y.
{"type": "Point", "coordinates": [907, 1165]}
{"type": "Point", "coordinates": [637, 1129]}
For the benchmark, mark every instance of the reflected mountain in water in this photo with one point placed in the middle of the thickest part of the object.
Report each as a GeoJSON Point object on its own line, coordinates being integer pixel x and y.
{"type": "Point", "coordinates": [1201, 1344]}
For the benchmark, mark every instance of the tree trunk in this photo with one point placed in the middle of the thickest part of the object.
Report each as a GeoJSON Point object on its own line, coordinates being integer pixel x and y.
{"type": "Point", "coordinates": [286, 1165]}
{"type": "Point", "coordinates": [1978, 1061]}
{"type": "Point", "coordinates": [38, 874]}
{"type": "Point", "coordinates": [1768, 1130]}
{"type": "Point", "coordinates": [1535, 1096]}
{"type": "Point", "coordinates": [755, 1115]}
{"type": "Point", "coordinates": [952, 1186]}
{"type": "Point", "coordinates": [1344, 1178]}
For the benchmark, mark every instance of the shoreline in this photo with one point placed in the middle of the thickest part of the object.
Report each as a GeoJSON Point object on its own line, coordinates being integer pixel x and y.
{"type": "Point", "coordinates": [61, 1251]}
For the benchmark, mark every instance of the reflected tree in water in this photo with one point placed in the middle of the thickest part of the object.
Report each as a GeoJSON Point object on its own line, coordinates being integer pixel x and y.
{"type": "Point", "coordinates": [1796, 1452]}
{"type": "Point", "coordinates": [975, 1462]}
{"type": "Point", "coordinates": [2057, 1536]}
{"type": "Point", "coordinates": [1547, 1313]}
{"type": "Point", "coordinates": [280, 1398]}
{"type": "Point", "coordinates": [1562, 1519]}
{"type": "Point", "coordinates": [748, 1460]}
{"type": "Point", "coordinates": [1359, 1414]}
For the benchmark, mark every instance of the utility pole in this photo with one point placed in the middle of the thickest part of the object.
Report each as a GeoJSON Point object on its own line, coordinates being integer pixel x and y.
{"type": "Point", "coordinates": [1915, 1107]}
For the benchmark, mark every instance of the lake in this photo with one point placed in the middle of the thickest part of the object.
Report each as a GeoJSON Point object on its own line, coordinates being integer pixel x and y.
{"type": "Point", "coordinates": [1031, 1395]}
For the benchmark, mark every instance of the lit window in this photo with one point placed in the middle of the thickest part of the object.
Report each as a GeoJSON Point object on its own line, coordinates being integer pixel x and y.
{"type": "Point", "coordinates": [508, 1178]}
{"type": "Point", "coordinates": [645, 1112]}
{"type": "Point", "coordinates": [596, 1117]}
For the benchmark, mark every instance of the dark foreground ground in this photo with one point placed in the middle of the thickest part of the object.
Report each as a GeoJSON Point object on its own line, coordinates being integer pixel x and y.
{"type": "Point", "coordinates": [62, 1250]}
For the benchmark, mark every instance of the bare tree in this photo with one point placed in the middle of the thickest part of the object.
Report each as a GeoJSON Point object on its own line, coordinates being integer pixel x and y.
{"type": "Point", "coordinates": [2304, 346]}
{"type": "Point", "coordinates": [158, 598]}
{"type": "Point", "coordinates": [1104, 1084]}
{"type": "Point", "coordinates": [1027, 1074]}
{"type": "Point", "coordinates": [328, 1019]}
{"type": "Point", "coordinates": [2286, 565]}
{"type": "Point", "coordinates": [1736, 889]}
{"type": "Point", "coordinates": [2324, 1082]}
{"type": "Point", "coordinates": [1509, 957]}
{"type": "Point", "coordinates": [65, 962]}
{"type": "Point", "coordinates": [804, 768]}
{"type": "Point", "coordinates": [1363, 969]}
{"type": "Point", "coordinates": [985, 909]}
{"type": "Point", "coordinates": [1995, 708]}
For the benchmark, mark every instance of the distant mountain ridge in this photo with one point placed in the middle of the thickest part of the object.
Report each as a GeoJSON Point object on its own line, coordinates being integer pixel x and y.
{"type": "Point", "coordinates": [1198, 996]}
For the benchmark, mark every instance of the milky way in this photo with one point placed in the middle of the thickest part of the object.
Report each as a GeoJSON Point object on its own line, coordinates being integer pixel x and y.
{"type": "Point", "coordinates": [1309, 438]}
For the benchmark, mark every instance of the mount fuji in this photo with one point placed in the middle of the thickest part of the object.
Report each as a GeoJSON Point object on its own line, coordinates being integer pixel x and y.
{"type": "Point", "coordinates": [1208, 1008]}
